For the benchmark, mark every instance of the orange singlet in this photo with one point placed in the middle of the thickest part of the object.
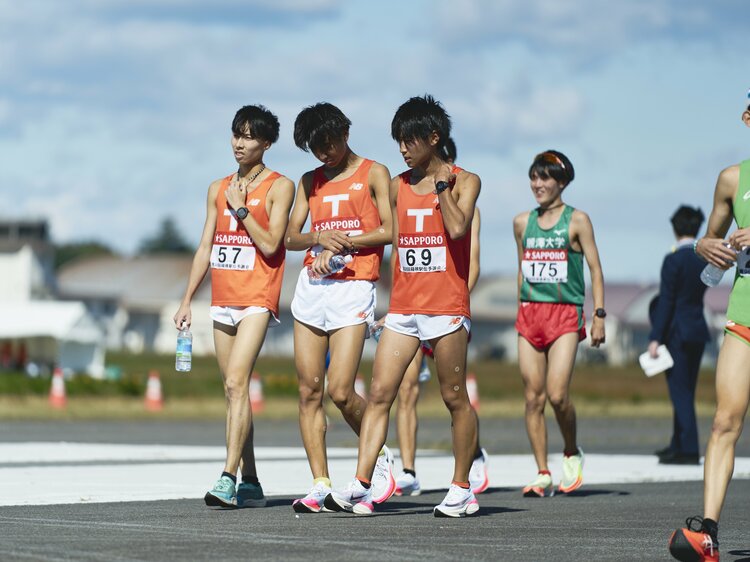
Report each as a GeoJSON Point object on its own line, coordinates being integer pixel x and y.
{"type": "Point", "coordinates": [346, 205]}
{"type": "Point", "coordinates": [432, 271]}
{"type": "Point", "coordinates": [240, 275]}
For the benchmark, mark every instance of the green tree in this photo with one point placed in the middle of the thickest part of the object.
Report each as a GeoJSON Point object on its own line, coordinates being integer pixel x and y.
{"type": "Point", "coordinates": [166, 239]}
{"type": "Point", "coordinates": [65, 253]}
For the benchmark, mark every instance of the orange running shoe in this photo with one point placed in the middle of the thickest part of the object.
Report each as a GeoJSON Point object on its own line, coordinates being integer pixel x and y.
{"type": "Point", "coordinates": [693, 543]}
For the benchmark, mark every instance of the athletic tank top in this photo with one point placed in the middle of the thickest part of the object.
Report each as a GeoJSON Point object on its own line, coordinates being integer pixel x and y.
{"type": "Point", "coordinates": [432, 271]}
{"type": "Point", "coordinates": [551, 270]}
{"type": "Point", "coordinates": [241, 275]}
{"type": "Point", "coordinates": [739, 300]}
{"type": "Point", "coordinates": [346, 205]}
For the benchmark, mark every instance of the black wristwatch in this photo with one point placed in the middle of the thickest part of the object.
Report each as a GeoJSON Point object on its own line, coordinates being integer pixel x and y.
{"type": "Point", "coordinates": [600, 313]}
{"type": "Point", "coordinates": [242, 213]}
{"type": "Point", "coordinates": [441, 186]}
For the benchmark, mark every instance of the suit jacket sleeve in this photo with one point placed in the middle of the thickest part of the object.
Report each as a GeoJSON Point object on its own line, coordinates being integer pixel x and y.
{"type": "Point", "coordinates": [665, 306]}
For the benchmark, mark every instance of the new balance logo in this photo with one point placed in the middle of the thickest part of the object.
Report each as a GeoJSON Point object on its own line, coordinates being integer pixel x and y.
{"type": "Point", "coordinates": [356, 186]}
{"type": "Point", "coordinates": [254, 202]}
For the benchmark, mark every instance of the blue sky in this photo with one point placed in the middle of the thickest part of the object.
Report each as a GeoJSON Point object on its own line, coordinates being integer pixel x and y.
{"type": "Point", "coordinates": [115, 114]}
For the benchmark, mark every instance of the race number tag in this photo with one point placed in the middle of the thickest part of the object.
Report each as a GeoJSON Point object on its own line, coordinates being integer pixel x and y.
{"type": "Point", "coordinates": [545, 266]}
{"type": "Point", "coordinates": [233, 251]}
{"type": "Point", "coordinates": [743, 262]}
{"type": "Point", "coordinates": [421, 253]}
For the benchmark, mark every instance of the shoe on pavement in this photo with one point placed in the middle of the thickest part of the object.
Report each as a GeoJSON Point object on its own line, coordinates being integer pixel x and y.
{"type": "Point", "coordinates": [458, 502]}
{"type": "Point", "coordinates": [572, 477]}
{"type": "Point", "coordinates": [383, 482]}
{"type": "Point", "coordinates": [478, 478]}
{"type": "Point", "coordinates": [223, 494]}
{"type": "Point", "coordinates": [313, 501]}
{"type": "Point", "coordinates": [407, 485]}
{"type": "Point", "coordinates": [541, 487]}
{"type": "Point", "coordinates": [693, 543]}
{"type": "Point", "coordinates": [250, 495]}
{"type": "Point", "coordinates": [355, 498]}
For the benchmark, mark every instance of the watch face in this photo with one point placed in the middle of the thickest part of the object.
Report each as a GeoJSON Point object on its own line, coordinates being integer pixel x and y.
{"type": "Point", "coordinates": [600, 312]}
{"type": "Point", "coordinates": [242, 213]}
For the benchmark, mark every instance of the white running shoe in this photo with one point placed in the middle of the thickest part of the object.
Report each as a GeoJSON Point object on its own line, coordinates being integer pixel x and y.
{"type": "Point", "coordinates": [355, 498]}
{"type": "Point", "coordinates": [572, 477]}
{"type": "Point", "coordinates": [383, 482]}
{"type": "Point", "coordinates": [458, 502]}
{"type": "Point", "coordinates": [313, 501]}
{"type": "Point", "coordinates": [407, 485]}
{"type": "Point", "coordinates": [424, 371]}
{"type": "Point", "coordinates": [478, 478]}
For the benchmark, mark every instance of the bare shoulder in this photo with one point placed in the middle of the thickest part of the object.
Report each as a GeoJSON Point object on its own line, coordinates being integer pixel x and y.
{"type": "Point", "coordinates": [729, 181]}
{"type": "Point", "coordinates": [520, 221]}
{"type": "Point", "coordinates": [468, 178]}
{"type": "Point", "coordinates": [580, 218]}
{"type": "Point", "coordinates": [215, 186]}
{"type": "Point", "coordinates": [283, 184]}
{"type": "Point", "coordinates": [379, 170]}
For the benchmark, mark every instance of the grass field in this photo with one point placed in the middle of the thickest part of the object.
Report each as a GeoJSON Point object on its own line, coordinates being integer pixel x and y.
{"type": "Point", "coordinates": [596, 389]}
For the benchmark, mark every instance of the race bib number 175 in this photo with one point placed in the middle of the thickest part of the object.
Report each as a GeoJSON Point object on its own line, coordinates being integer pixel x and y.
{"type": "Point", "coordinates": [545, 266]}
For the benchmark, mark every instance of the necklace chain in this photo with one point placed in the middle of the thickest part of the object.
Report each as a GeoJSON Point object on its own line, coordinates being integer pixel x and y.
{"type": "Point", "coordinates": [251, 178]}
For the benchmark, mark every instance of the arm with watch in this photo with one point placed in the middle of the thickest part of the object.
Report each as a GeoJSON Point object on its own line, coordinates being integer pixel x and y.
{"type": "Point", "coordinates": [582, 231]}
{"type": "Point", "coordinates": [457, 203]}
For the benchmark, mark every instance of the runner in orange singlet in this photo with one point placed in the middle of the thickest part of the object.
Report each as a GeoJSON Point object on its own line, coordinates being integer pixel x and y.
{"type": "Point", "coordinates": [347, 201]}
{"type": "Point", "coordinates": [242, 242]}
{"type": "Point", "coordinates": [433, 204]}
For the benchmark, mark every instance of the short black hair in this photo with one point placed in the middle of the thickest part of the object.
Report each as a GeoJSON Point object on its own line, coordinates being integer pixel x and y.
{"type": "Point", "coordinates": [687, 221]}
{"type": "Point", "coordinates": [418, 118]}
{"type": "Point", "coordinates": [451, 153]}
{"type": "Point", "coordinates": [261, 123]}
{"type": "Point", "coordinates": [553, 164]}
{"type": "Point", "coordinates": [318, 125]}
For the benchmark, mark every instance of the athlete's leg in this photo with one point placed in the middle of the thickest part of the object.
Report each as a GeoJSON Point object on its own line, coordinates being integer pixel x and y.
{"type": "Point", "coordinates": [732, 396]}
{"type": "Point", "coordinates": [533, 365]}
{"type": "Point", "coordinates": [310, 346]}
{"type": "Point", "coordinates": [406, 413]}
{"type": "Point", "coordinates": [346, 351]}
{"type": "Point", "coordinates": [237, 351]}
{"type": "Point", "coordinates": [450, 361]}
{"type": "Point", "coordinates": [561, 357]}
{"type": "Point", "coordinates": [395, 352]}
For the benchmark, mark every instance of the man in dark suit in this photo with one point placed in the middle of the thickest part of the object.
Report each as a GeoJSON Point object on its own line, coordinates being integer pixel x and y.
{"type": "Point", "coordinates": [677, 321]}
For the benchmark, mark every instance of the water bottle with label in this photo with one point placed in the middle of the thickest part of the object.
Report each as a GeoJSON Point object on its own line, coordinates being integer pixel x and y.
{"type": "Point", "coordinates": [336, 263]}
{"type": "Point", "coordinates": [376, 330]}
{"type": "Point", "coordinates": [184, 356]}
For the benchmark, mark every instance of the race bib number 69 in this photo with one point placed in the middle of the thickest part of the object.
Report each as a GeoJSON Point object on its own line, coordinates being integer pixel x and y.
{"type": "Point", "coordinates": [545, 266]}
{"type": "Point", "coordinates": [421, 253]}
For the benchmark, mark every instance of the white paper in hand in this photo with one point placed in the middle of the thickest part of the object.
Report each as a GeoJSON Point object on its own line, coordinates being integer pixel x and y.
{"type": "Point", "coordinates": [653, 366]}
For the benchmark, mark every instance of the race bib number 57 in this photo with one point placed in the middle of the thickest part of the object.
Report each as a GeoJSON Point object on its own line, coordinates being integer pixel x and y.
{"type": "Point", "coordinates": [232, 251]}
{"type": "Point", "coordinates": [545, 266]}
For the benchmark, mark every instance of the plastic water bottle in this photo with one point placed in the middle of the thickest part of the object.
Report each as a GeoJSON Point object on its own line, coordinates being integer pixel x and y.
{"type": "Point", "coordinates": [711, 275]}
{"type": "Point", "coordinates": [336, 264]}
{"type": "Point", "coordinates": [376, 330]}
{"type": "Point", "coordinates": [184, 356]}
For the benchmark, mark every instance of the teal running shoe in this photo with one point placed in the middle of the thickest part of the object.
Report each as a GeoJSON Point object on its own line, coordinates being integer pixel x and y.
{"type": "Point", "coordinates": [222, 494]}
{"type": "Point", "coordinates": [250, 495]}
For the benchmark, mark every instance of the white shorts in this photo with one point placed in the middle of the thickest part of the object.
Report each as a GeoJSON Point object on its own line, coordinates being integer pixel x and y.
{"type": "Point", "coordinates": [231, 315]}
{"type": "Point", "coordinates": [328, 304]}
{"type": "Point", "coordinates": [426, 326]}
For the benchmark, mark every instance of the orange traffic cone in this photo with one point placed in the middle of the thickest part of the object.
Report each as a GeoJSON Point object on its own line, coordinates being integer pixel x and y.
{"type": "Point", "coordinates": [359, 386]}
{"type": "Point", "coordinates": [57, 398]}
{"type": "Point", "coordinates": [256, 393]}
{"type": "Point", "coordinates": [154, 401]}
{"type": "Point", "coordinates": [472, 390]}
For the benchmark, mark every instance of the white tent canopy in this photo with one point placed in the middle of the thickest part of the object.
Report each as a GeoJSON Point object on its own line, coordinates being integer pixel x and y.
{"type": "Point", "coordinates": [79, 340]}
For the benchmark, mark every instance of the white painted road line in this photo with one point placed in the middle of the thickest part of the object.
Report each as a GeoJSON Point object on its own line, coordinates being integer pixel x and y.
{"type": "Point", "coordinates": [56, 473]}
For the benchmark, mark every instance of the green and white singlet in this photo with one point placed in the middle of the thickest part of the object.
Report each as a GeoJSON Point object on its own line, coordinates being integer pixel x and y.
{"type": "Point", "coordinates": [552, 271]}
{"type": "Point", "coordinates": [739, 300]}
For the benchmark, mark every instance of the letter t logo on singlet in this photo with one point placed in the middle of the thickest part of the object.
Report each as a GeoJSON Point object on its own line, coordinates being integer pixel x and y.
{"type": "Point", "coordinates": [335, 200]}
{"type": "Point", "coordinates": [420, 214]}
{"type": "Point", "coordinates": [232, 219]}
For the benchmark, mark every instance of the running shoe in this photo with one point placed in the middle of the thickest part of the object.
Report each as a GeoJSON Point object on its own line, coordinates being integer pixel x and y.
{"type": "Point", "coordinates": [693, 543]}
{"type": "Point", "coordinates": [424, 371]}
{"type": "Point", "coordinates": [407, 485]}
{"type": "Point", "coordinates": [223, 494]}
{"type": "Point", "coordinates": [250, 495]}
{"type": "Point", "coordinates": [572, 477]}
{"type": "Point", "coordinates": [479, 480]}
{"type": "Point", "coordinates": [383, 482]}
{"type": "Point", "coordinates": [458, 502]}
{"type": "Point", "coordinates": [313, 501]}
{"type": "Point", "coordinates": [355, 498]}
{"type": "Point", "coordinates": [541, 487]}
